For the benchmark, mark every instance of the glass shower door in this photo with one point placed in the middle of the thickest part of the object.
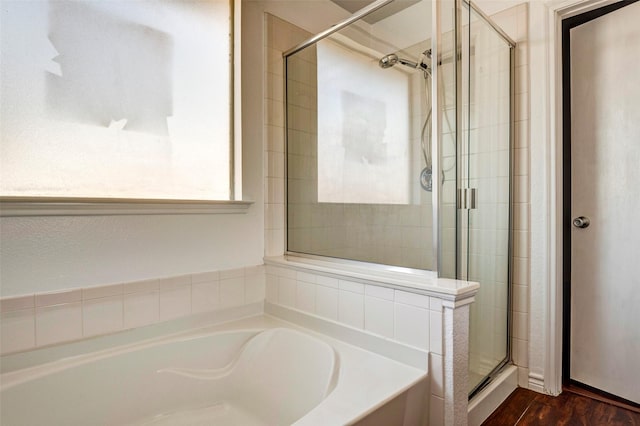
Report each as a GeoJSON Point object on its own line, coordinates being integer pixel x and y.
{"type": "Point", "coordinates": [484, 188]}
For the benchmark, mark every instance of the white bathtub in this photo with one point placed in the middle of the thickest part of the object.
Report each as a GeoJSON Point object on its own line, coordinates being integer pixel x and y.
{"type": "Point", "coordinates": [257, 371]}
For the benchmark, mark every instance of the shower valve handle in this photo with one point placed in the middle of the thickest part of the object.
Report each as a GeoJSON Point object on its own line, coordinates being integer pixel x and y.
{"type": "Point", "coordinates": [581, 222]}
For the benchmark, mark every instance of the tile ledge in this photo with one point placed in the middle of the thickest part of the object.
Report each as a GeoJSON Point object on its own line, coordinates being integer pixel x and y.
{"type": "Point", "coordinates": [427, 284]}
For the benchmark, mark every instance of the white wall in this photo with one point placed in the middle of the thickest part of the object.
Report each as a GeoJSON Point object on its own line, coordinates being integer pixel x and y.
{"type": "Point", "coordinates": [41, 254]}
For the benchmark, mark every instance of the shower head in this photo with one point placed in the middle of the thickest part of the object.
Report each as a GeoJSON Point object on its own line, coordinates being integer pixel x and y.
{"type": "Point", "coordinates": [388, 61]}
{"type": "Point", "coordinates": [392, 59]}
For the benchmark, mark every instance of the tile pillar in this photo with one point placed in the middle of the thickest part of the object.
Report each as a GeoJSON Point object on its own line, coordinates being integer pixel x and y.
{"type": "Point", "coordinates": [455, 340]}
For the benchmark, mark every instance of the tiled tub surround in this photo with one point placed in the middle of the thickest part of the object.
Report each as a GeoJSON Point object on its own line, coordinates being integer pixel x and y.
{"type": "Point", "coordinates": [36, 320]}
{"type": "Point", "coordinates": [423, 313]}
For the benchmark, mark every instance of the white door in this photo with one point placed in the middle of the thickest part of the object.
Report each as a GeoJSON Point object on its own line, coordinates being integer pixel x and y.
{"type": "Point", "coordinates": [605, 188]}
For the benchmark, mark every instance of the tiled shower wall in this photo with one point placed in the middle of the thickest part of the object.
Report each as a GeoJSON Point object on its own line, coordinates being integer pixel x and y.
{"type": "Point", "coordinates": [280, 36]}
{"type": "Point", "coordinates": [36, 320]}
{"type": "Point", "coordinates": [514, 21]}
{"type": "Point", "coordinates": [382, 233]}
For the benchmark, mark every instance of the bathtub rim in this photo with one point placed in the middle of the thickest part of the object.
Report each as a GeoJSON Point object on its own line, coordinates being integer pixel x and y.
{"type": "Point", "coordinates": [251, 326]}
{"type": "Point", "coordinates": [63, 356]}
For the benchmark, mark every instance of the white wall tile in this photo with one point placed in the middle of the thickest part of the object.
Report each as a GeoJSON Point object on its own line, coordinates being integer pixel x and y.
{"type": "Point", "coordinates": [205, 277]}
{"type": "Point", "coordinates": [327, 302]}
{"type": "Point", "coordinates": [17, 329]}
{"type": "Point", "coordinates": [175, 303]}
{"type": "Point", "coordinates": [58, 323]}
{"type": "Point", "coordinates": [272, 288]}
{"type": "Point", "coordinates": [275, 134]}
{"type": "Point", "coordinates": [351, 308]}
{"type": "Point", "coordinates": [254, 288]}
{"type": "Point", "coordinates": [275, 160]}
{"type": "Point", "coordinates": [520, 298]}
{"type": "Point", "coordinates": [275, 190]}
{"type": "Point", "coordinates": [521, 243]}
{"type": "Point", "coordinates": [435, 332]}
{"type": "Point", "coordinates": [521, 189]}
{"type": "Point", "coordinates": [306, 297]}
{"type": "Point", "coordinates": [327, 281]}
{"type": "Point", "coordinates": [435, 304]}
{"type": "Point", "coordinates": [174, 282]}
{"type": "Point", "coordinates": [306, 277]}
{"type": "Point", "coordinates": [274, 241]}
{"type": "Point", "coordinates": [522, 53]}
{"type": "Point", "coordinates": [145, 286]}
{"type": "Point", "coordinates": [102, 291]}
{"type": "Point", "coordinates": [287, 292]}
{"type": "Point", "coordinates": [523, 377]}
{"type": "Point", "coordinates": [522, 134]}
{"type": "Point", "coordinates": [520, 352]}
{"type": "Point", "coordinates": [436, 374]}
{"type": "Point", "coordinates": [58, 297]}
{"type": "Point", "coordinates": [101, 316]}
{"type": "Point", "coordinates": [436, 411]}
{"type": "Point", "coordinates": [521, 325]}
{"type": "Point", "coordinates": [521, 216]}
{"type": "Point", "coordinates": [274, 216]}
{"type": "Point", "coordinates": [521, 271]}
{"type": "Point", "coordinates": [254, 270]}
{"type": "Point", "coordinates": [351, 286]}
{"type": "Point", "coordinates": [205, 296]}
{"type": "Point", "coordinates": [274, 112]}
{"type": "Point", "coordinates": [141, 309]}
{"type": "Point", "coordinates": [412, 299]}
{"type": "Point", "coordinates": [285, 272]}
{"type": "Point", "coordinates": [231, 273]}
{"type": "Point", "coordinates": [8, 304]}
{"type": "Point", "coordinates": [378, 316]}
{"type": "Point", "coordinates": [412, 325]}
{"type": "Point", "coordinates": [232, 291]}
{"type": "Point", "coordinates": [379, 292]}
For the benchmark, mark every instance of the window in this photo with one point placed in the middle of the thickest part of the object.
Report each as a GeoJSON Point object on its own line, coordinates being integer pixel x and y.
{"type": "Point", "coordinates": [117, 99]}
{"type": "Point", "coordinates": [363, 130]}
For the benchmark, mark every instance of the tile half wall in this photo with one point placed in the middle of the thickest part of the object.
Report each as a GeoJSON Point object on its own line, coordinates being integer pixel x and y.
{"type": "Point", "coordinates": [37, 320]}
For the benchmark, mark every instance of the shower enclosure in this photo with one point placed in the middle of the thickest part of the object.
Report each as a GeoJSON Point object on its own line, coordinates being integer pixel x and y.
{"type": "Point", "coordinates": [398, 127]}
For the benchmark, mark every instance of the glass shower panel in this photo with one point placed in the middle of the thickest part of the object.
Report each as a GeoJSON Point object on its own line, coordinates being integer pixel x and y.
{"type": "Point", "coordinates": [486, 158]}
{"type": "Point", "coordinates": [446, 122]}
{"type": "Point", "coordinates": [358, 141]}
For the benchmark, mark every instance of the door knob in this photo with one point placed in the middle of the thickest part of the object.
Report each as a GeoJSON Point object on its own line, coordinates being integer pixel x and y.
{"type": "Point", "coordinates": [581, 222]}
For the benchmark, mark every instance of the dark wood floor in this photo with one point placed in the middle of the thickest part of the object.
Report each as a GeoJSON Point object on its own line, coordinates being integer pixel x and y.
{"type": "Point", "coordinates": [524, 407]}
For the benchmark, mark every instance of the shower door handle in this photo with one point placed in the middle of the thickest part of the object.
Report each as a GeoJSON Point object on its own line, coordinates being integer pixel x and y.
{"type": "Point", "coordinates": [581, 222]}
{"type": "Point", "coordinates": [467, 198]}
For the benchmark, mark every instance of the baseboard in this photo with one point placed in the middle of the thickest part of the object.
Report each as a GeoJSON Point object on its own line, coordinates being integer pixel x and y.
{"type": "Point", "coordinates": [536, 383]}
{"type": "Point", "coordinates": [487, 400]}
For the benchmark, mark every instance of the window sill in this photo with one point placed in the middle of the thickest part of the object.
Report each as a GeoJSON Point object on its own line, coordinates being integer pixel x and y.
{"type": "Point", "coordinates": [17, 206]}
